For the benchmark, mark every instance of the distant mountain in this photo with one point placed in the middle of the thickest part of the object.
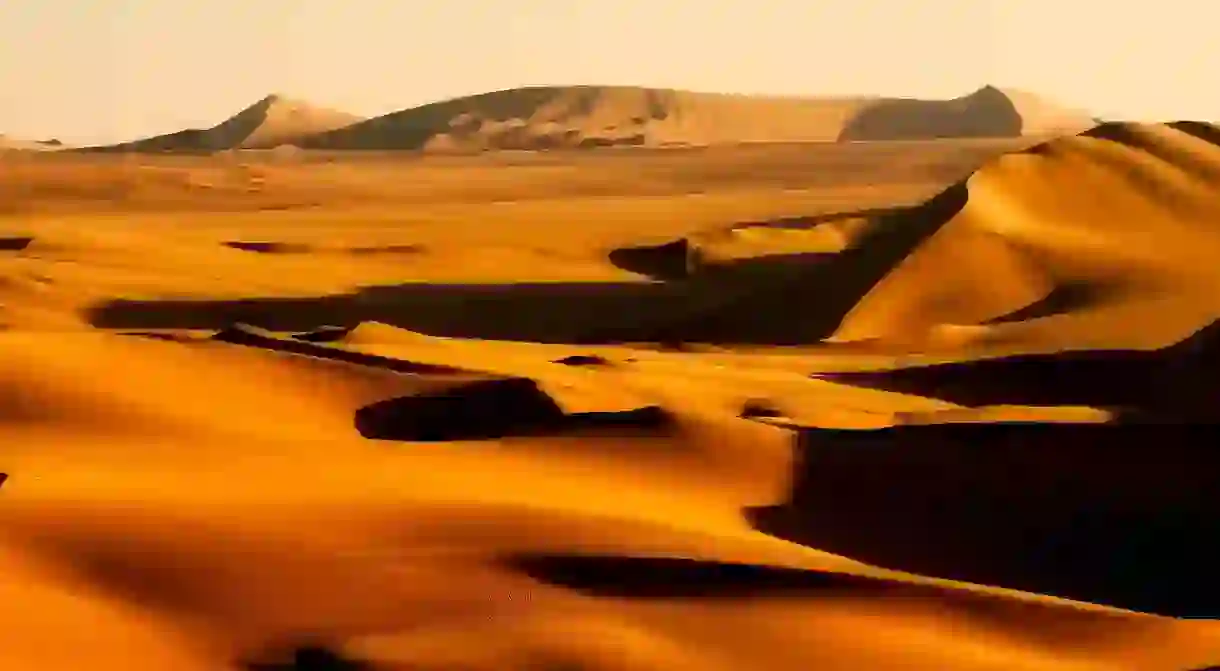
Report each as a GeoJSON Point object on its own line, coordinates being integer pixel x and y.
{"type": "Point", "coordinates": [605, 116]}
{"type": "Point", "coordinates": [590, 116]}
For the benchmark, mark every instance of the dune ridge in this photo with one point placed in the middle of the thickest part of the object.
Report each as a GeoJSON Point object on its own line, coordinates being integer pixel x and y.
{"type": "Point", "coordinates": [1024, 254]}
{"type": "Point", "coordinates": [539, 118]}
{"type": "Point", "coordinates": [273, 121]}
{"type": "Point", "coordinates": [593, 116]}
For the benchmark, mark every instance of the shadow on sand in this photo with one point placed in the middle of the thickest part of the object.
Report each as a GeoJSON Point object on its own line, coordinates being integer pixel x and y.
{"type": "Point", "coordinates": [15, 244]}
{"type": "Point", "coordinates": [780, 299]}
{"type": "Point", "coordinates": [495, 408]}
{"type": "Point", "coordinates": [307, 658]}
{"type": "Point", "coordinates": [1093, 513]}
{"type": "Point", "coordinates": [679, 577]}
{"type": "Point", "coordinates": [1172, 385]}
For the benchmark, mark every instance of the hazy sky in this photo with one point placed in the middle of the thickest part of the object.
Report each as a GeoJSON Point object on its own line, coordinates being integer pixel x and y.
{"type": "Point", "coordinates": [105, 70]}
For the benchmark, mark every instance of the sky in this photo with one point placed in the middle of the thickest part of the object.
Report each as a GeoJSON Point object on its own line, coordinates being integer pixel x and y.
{"type": "Point", "coordinates": [102, 71]}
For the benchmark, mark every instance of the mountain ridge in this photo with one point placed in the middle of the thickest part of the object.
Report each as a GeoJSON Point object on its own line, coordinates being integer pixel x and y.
{"type": "Point", "coordinates": [550, 117]}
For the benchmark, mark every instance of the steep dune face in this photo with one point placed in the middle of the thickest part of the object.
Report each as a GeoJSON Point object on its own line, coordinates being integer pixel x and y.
{"type": "Point", "coordinates": [271, 122]}
{"type": "Point", "coordinates": [589, 116]}
{"type": "Point", "coordinates": [1115, 217]}
{"type": "Point", "coordinates": [988, 112]}
{"type": "Point", "coordinates": [1068, 244]}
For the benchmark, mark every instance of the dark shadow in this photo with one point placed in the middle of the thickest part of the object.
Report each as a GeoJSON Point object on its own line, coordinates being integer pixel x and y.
{"type": "Point", "coordinates": [308, 658]}
{"type": "Point", "coordinates": [584, 360]}
{"type": "Point", "coordinates": [1062, 299]}
{"type": "Point", "coordinates": [480, 410]}
{"type": "Point", "coordinates": [16, 244]}
{"type": "Point", "coordinates": [190, 142]}
{"type": "Point", "coordinates": [758, 408]}
{"type": "Point", "coordinates": [296, 248]}
{"type": "Point", "coordinates": [1177, 382]}
{"type": "Point", "coordinates": [1120, 132]}
{"type": "Point", "coordinates": [987, 112]}
{"type": "Point", "coordinates": [625, 141]}
{"type": "Point", "coordinates": [670, 261]}
{"type": "Point", "coordinates": [268, 247]}
{"type": "Point", "coordinates": [803, 298]}
{"type": "Point", "coordinates": [547, 312]}
{"type": "Point", "coordinates": [491, 409]}
{"type": "Point", "coordinates": [1207, 132]}
{"type": "Point", "coordinates": [1091, 512]}
{"type": "Point", "coordinates": [3, 479]}
{"type": "Point", "coordinates": [786, 299]}
{"type": "Point", "coordinates": [678, 577]}
{"type": "Point", "coordinates": [251, 337]}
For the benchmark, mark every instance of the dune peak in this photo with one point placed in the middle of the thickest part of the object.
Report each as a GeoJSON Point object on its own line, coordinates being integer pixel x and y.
{"type": "Point", "coordinates": [590, 116]}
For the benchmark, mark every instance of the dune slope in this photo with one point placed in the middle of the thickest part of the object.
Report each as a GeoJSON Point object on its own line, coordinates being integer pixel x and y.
{"type": "Point", "coordinates": [591, 116]}
{"type": "Point", "coordinates": [272, 121]}
{"type": "Point", "coordinates": [1036, 243]}
{"type": "Point", "coordinates": [1059, 245]}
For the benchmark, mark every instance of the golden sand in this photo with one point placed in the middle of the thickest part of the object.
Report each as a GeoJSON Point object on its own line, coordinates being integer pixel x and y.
{"type": "Point", "coordinates": [614, 411]}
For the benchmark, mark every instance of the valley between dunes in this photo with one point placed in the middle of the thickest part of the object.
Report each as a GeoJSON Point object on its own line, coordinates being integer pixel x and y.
{"type": "Point", "coordinates": [909, 405]}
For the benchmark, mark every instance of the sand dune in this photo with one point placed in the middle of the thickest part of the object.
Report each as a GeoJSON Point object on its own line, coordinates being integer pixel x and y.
{"type": "Point", "coordinates": [1005, 260]}
{"type": "Point", "coordinates": [1024, 254]}
{"type": "Point", "coordinates": [1024, 250]}
{"type": "Point", "coordinates": [273, 121]}
{"type": "Point", "coordinates": [594, 116]}
{"type": "Point", "coordinates": [539, 118]}
{"type": "Point", "coordinates": [735, 428]}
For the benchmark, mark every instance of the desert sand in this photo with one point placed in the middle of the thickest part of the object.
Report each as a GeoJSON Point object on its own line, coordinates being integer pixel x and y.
{"type": "Point", "coordinates": [889, 405]}
{"type": "Point", "coordinates": [542, 117]}
{"type": "Point", "coordinates": [273, 121]}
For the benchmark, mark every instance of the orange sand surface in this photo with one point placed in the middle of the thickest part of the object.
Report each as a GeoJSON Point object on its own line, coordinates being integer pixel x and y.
{"type": "Point", "coordinates": [840, 407]}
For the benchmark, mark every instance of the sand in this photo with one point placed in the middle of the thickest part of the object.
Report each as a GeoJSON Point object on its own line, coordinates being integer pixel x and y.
{"type": "Point", "coordinates": [273, 121]}
{"type": "Point", "coordinates": [854, 406]}
{"type": "Point", "coordinates": [548, 118]}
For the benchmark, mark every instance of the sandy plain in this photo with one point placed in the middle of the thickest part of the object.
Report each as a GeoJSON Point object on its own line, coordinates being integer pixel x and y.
{"type": "Point", "coordinates": [844, 406]}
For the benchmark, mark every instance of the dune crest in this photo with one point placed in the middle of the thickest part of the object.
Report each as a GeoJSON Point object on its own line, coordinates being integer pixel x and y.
{"type": "Point", "coordinates": [593, 116]}
{"type": "Point", "coordinates": [273, 121]}
{"type": "Point", "coordinates": [1034, 242]}
{"type": "Point", "coordinates": [551, 117]}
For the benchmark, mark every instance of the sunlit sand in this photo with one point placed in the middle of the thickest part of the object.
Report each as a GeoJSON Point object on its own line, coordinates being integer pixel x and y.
{"type": "Point", "coordinates": [873, 405]}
